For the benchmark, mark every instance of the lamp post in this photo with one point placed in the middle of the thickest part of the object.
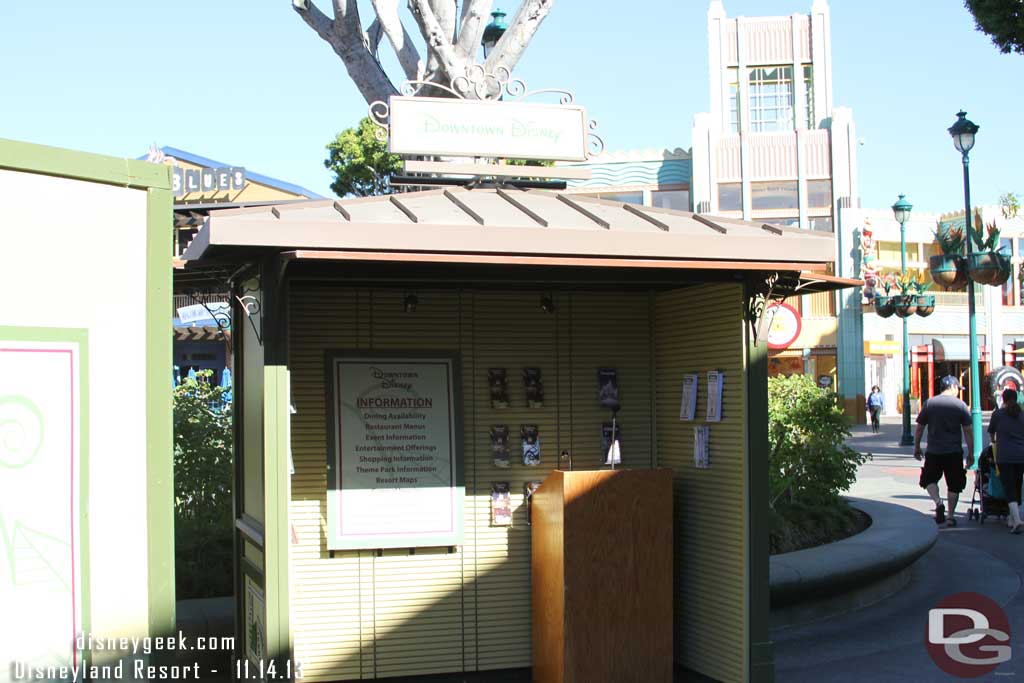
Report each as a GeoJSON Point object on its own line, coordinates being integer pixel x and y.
{"type": "Point", "coordinates": [963, 132]}
{"type": "Point", "coordinates": [901, 211]}
{"type": "Point", "coordinates": [493, 31]}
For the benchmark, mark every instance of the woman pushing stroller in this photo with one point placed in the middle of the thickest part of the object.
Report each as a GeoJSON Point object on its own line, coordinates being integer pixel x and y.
{"type": "Point", "coordinates": [1007, 430]}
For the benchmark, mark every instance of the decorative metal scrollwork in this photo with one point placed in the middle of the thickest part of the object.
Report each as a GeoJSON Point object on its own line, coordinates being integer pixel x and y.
{"type": "Point", "coordinates": [219, 316]}
{"type": "Point", "coordinates": [252, 307]}
{"type": "Point", "coordinates": [759, 300]}
{"type": "Point", "coordinates": [380, 114]}
{"type": "Point", "coordinates": [595, 143]}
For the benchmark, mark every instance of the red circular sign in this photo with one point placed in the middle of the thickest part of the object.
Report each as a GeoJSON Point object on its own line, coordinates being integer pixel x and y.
{"type": "Point", "coordinates": [967, 635]}
{"type": "Point", "coordinates": [784, 325]}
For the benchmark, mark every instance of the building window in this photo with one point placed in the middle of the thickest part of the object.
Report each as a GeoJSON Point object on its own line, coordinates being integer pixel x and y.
{"type": "Point", "coordinates": [809, 91]}
{"type": "Point", "coordinates": [771, 98]}
{"type": "Point", "coordinates": [671, 199]}
{"type": "Point", "coordinates": [730, 197]}
{"type": "Point", "coordinates": [820, 223]}
{"type": "Point", "coordinates": [780, 194]}
{"type": "Point", "coordinates": [1006, 247]}
{"type": "Point", "coordinates": [734, 98]}
{"type": "Point", "coordinates": [624, 197]}
{"type": "Point", "coordinates": [819, 194]}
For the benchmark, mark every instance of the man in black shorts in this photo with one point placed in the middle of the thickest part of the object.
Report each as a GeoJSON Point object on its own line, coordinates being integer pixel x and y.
{"type": "Point", "coordinates": [946, 416]}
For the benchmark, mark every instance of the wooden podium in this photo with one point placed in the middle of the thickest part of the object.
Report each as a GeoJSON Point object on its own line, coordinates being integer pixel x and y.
{"type": "Point", "coordinates": [602, 577]}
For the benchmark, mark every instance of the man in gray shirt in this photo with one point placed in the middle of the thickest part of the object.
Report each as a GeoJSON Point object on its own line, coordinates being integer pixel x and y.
{"type": "Point", "coordinates": [945, 416]}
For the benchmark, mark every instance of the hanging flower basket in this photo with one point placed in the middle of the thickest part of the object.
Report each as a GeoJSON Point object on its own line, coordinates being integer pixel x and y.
{"type": "Point", "coordinates": [925, 305]}
{"type": "Point", "coordinates": [885, 305]}
{"type": "Point", "coordinates": [1005, 269]}
{"type": "Point", "coordinates": [985, 267]}
{"type": "Point", "coordinates": [906, 305]}
{"type": "Point", "coordinates": [948, 270]}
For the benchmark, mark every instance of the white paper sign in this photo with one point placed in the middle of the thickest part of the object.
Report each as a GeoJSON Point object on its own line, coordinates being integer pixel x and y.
{"type": "Point", "coordinates": [394, 461]}
{"type": "Point", "coordinates": [716, 380]}
{"type": "Point", "coordinates": [196, 312]}
{"type": "Point", "coordinates": [701, 447]}
{"type": "Point", "coordinates": [688, 405]}
{"type": "Point", "coordinates": [434, 126]}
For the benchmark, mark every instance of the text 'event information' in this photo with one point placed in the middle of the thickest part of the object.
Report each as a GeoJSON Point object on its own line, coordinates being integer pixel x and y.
{"type": "Point", "coordinates": [395, 440]}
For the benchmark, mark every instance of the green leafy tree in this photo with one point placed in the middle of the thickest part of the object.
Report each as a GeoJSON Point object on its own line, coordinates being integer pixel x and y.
{"type": "Point", "coordinates": [203, 476]}
{"type": "Point", "coordinates": [361, 162]}
{"type": "Point", "coordinates": [1009, 204]}
{"type": "Point", "coordinates": [1001, 20]}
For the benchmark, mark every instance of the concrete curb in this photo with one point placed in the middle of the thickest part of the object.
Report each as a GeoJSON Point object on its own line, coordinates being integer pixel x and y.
{"type": "Point", "coordinates": [897, 537]}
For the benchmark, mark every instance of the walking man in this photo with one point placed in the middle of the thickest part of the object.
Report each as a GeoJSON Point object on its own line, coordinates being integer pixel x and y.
{"type": "Point", "coordinates": [945, 416]}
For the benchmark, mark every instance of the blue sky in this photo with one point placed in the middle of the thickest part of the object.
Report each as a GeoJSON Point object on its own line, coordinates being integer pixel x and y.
{"type": "Point", "coordinates": [248, 83]}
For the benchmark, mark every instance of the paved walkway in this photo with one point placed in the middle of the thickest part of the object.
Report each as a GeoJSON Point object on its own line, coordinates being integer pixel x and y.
{"type": "Point", "coordinates": [885, 642]}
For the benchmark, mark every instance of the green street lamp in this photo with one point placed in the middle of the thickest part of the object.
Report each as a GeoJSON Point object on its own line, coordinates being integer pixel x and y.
{"type": "Point", "coordinates": [963, 133]}
{"type": "Point", "coordinates": [901, 211]}
{"type": "Point", "coordinates": [493, 31]}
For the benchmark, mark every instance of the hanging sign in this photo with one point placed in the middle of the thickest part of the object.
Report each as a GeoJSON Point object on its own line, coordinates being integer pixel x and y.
{"type": "Point", "coordinates": [434, 126]}
{"type": "Point", "coordinates": [784, 325]}
{"type": "Point", "coordinates": [394, 457]}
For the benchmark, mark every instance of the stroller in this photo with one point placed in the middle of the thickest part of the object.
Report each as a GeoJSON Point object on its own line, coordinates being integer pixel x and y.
{"type": "Point", "coordinates": [991, 506]}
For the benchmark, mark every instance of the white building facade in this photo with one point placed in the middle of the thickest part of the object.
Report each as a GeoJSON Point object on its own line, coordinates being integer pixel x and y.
{"type": "Point", "coordinates": [939, 343]}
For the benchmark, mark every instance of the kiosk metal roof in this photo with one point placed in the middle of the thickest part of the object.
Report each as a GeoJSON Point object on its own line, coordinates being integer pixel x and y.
{"type": "Point", "coordinates": [516, 227]}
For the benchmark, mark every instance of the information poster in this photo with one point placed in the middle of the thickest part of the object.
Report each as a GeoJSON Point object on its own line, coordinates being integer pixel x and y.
{"type": "Point", "coordinates": [715, 382]}
{"type": "Point", "coordinates": [688, 404]}
{"type": "Point", "coordinates": [394, 463]}
{"type": "Point", "coordinates": [702, 447]}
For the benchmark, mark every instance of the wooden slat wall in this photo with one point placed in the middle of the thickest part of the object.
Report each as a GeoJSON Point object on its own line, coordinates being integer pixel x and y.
{"type": "Point", "coordinates": [364, 616]}
{"type": "Point", "coordinates": [697, 330]}
{"type": "Point", "coordinates": [610, 330]}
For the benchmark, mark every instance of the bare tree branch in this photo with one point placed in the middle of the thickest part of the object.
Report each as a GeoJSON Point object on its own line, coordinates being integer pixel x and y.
{"type": "Point", "coordinates": [449, 52]}
{"type": "Point", "coordinates": [374, 32]}
{"type": "Point", "coordinates": [444, 10]}
{"type": "Point", "coordinates": [408, 55]}
{"type": "Point", "coordinates": [522, 29]}
{"type": "Point", "coordinates": [439, 43]}
{"type": "Point", "coordinates": [345, 35]}
{"type": "Point", "coordinates": [474, 21]}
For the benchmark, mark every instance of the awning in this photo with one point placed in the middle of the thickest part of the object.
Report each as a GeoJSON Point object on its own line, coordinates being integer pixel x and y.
{"type": "Point", "coordinates": [954, 348]}
{"type": "Point", "coordinates": [514, 227]}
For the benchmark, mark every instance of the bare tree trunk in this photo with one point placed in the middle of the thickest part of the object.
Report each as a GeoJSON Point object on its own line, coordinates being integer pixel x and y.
{"type": "Point", "coordinates": [345, 35]}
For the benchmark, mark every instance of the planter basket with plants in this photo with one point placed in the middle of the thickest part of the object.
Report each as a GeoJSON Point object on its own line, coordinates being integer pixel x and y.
{"type": "Point", "coordinates": [885, 304]}
{"type": "Point", "coordinates": [949, 269]}
{"type": "Point", "coordinates": [989, 265]}
{"type": "Point", "coordinates": [925, 302]}
{"type": "Point", "coordinates": [906, 302]}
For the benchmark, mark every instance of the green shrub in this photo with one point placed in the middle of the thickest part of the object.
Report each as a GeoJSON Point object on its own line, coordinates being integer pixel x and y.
{"type": "Point", "coordinates": [810, 465]}
{"type": "Point", "coordinates": [809, 461]}
{"type": "Point", "coordinates": [203, 476]}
